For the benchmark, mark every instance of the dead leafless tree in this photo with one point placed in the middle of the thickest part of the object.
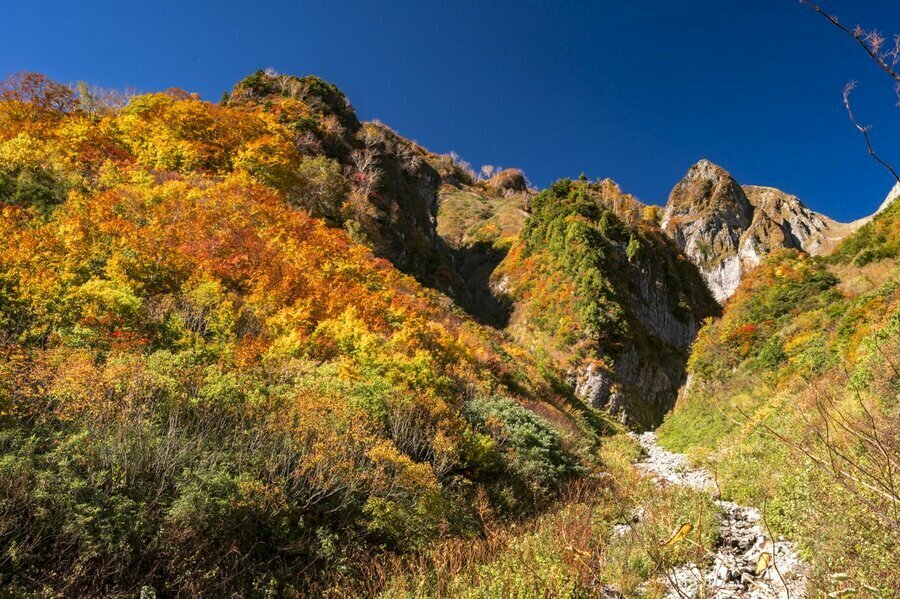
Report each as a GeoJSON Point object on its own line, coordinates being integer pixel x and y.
{"type": "Point", "coordinates": [100, 100]}
{"type": "Point", "coordinates": [462, 167]}
{"type": "Point", "coordinates": [873, 42]}
{"type": "Point", "coordinates": [367, 171]}
{"type": "Point", "coordinates": [409, 158]}
{"type": "Point", "coordinates": [488, 171]}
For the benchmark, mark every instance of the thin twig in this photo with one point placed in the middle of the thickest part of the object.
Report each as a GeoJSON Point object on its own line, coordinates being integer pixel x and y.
{"type": "Point", "coordinates": [865, 130]}
{"type": "Point", "coordinates": [765, 520]}
{"type": "Point", "coordinates": [857, 34]}
{"type": "Point", "coordinates": [839, 476]}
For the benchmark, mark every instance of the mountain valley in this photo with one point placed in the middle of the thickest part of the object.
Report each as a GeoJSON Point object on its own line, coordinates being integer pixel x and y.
{"type": "Point", "coordinates": [261, 348]}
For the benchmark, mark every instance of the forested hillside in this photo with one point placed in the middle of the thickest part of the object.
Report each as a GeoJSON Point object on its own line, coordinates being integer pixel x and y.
{"type": "Point", "coordinates": [205, 386]}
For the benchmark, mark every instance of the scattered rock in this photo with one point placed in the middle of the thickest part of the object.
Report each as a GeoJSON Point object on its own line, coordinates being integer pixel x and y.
{"type": "Point", "coordinates": [742, 542]}
{"type": "Point", "coordinates": [672, 468]}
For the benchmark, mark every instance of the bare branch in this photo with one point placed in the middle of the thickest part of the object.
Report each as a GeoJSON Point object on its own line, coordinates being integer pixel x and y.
{"type": "Point", "coordinates": [870, 41]}
{"type": "Point", "coordinates": [848, 89]}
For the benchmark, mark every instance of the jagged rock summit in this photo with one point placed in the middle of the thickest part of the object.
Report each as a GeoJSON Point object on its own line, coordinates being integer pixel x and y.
{"type": "Point", "coordinates": [706, 215]}
{"type": "Point", "coordinates": [726, 228]}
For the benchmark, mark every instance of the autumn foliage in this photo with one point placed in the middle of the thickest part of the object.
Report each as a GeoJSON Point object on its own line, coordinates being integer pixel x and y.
{"type": "Point", "coordinates": [207, 387]}
{"type": "Point", "coordinates": [793, 403]}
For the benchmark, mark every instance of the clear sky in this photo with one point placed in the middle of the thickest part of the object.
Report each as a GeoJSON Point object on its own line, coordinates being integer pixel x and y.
{"type": "Point", "coordinates": [634, 90]}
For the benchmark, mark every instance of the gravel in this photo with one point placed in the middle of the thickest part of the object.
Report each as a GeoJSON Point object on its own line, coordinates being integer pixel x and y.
{"type": "Point", "coordinates": [742, 540]}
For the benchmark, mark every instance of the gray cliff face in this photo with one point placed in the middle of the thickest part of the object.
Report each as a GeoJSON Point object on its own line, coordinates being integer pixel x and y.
{"type": "Point", "coordinates": [594, 385]}
{"type": "Point", "coordinates": [706, 215]}
{"type": "Point", "coordinates": [653, 384]}
{"type": "Point", "coordinates": [654, 310]}
{"type": "Point", "coordinates": [727, 229]}
{"type": "Point", "coordinates": [654, 373]}
{"type": "Point", "coordinates": [639, 381]}
{"type": "Point", "coordinates": [638, 390]}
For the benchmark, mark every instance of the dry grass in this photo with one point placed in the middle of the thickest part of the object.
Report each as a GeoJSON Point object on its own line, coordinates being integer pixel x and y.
{"type": "Point", "coordinates": [857, 280]}
{"type": "Point", "coordinates": [590, 543]}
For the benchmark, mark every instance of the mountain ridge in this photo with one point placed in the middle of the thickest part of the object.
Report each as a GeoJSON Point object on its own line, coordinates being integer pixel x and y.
{"type": "Point", "coordinates": [726, 228]}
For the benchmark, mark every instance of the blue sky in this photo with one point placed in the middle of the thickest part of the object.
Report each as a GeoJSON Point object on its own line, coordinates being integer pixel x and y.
{"type": "Point", "coordinates": [636, 91]}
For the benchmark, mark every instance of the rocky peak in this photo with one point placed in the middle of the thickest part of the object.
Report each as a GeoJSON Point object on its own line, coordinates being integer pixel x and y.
{"type": "Point", "coordinates": [708, 189]}
{"type": "Point", "coordinates": [319, 96]}
{"type": "Point", "coordinates": [726, 229]}
{"type": "Point", "coordinates": [706, 215]}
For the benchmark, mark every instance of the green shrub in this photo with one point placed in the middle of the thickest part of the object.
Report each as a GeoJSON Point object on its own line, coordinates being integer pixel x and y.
{"type": "Point", "coordinates": [32, 186]}
{"type": "Point", "coordinates": [875, 241]}
{"type": "Point", "coordinates": [533, 448]}
{"type": "Point", "coordinates": [771, 354]}
{"type": "Point", "coordinates": [633, 251]}
{"type": "Point", "coordinates": [320, 187]}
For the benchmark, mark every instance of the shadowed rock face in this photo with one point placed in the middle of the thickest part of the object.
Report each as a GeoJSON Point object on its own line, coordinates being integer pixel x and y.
{"type": "Point", "coordinates": [726, 229]}
{"type": "Point", "coordinates": [647, 369]}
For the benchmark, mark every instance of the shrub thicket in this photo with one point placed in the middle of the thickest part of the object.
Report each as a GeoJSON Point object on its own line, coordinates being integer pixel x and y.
{"type": "Point", "coordinates": [205, 391]}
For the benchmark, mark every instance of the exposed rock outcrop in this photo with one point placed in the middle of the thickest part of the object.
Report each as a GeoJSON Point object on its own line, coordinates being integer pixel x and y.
{"type": "Point", "coordinates": [892, 195]}
{"type": "Point", "coordinates": [795, 225]}
{"type": "Point", "coordinates": [726, 229]}
{"type": "Point", "coordinates": [706, 216]}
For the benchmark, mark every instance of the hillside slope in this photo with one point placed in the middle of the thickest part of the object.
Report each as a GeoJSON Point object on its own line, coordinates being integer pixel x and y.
{"type": "Point", "coordinates": [379, 186]}
{"type": "Point", "coordinates": [600, 289]}
{"type": "Point", "coordinates": [794, 403]}
{"type": "Point", "coordinates": [207, 386]}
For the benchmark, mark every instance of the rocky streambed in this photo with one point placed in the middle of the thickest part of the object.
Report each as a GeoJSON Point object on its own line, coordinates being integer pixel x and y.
{"type": "Point", "coordinates": [748, 563]}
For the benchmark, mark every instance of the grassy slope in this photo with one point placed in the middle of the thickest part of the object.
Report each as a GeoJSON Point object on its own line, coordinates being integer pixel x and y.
{"type": "Point", "coordinates": [804, 343]}
{"type": "Point", "coordinates": [477, 215]}
{"type": "Point", "coordinates": [576, 550]}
